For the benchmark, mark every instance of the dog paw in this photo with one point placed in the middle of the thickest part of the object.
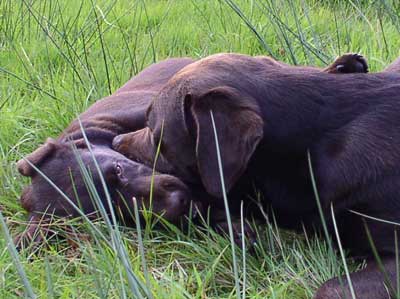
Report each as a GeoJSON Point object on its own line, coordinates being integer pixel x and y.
{"type": "Point", "coordinates": [348, 63]}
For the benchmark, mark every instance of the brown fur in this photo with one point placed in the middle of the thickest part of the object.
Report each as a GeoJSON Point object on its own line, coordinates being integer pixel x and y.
{"type": "Point", "coordinates": [122, 112]}
{"type": "Point", "coordinates": [348, 123]}
{"type": "Point", "coordinates": [119, 113]}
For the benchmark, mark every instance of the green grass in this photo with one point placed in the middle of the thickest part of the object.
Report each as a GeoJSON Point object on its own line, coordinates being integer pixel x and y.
{"type": "Point", "coordinates": [58, 57]}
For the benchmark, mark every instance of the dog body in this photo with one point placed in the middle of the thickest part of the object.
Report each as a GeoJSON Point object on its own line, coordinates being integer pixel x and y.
{"type": "Point", "coordinates": [267, 119]}
{"type": "Point", "coordinates": [243, 83]}
{"type": "Point", "coordinates": [120, 113]}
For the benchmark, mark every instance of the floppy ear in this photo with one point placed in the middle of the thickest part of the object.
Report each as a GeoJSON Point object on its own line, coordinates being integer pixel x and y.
{"type": "Point", "coordinates": [239, 130]}
{"type": "Point", "coordinates": [137, 146]}
{"type": "Point", "coordinates": [36, 157]}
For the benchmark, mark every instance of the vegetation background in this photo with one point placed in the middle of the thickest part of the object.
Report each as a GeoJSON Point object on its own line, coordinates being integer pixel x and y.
{"type": "Point", "coordinates": [59, 56]}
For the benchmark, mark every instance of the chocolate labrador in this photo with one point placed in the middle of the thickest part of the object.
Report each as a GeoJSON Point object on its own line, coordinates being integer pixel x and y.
{"type": "Point", "coordinates": [267, 119]}
{"type": "Point", "coordinates": [122, 112]}
{"type": "Point", "coordinates": [61, 159]}
{"type": "Point", "coordinates": [125, 143]}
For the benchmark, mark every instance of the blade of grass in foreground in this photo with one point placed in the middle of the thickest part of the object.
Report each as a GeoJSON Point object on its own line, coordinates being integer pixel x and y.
{"type": "Point", "coordinates": [379, 261]}
{"type": "Point", "coordinates": [117, 242]}
{"type": "Point", "coordinates": [14, 254]}
{"type": "Point", "coordinates": [141, 247]}
{"type": "Point", "coordinates": [146, 215]}
{"type": "Point", "coordinates": [228, 216]}
{"type": "Point", "coordinates": [346, 269]}
{"type": "Point", "coordinates": [316, 194]}
{"type": "Point", "coordinates": [50, 284]}
{"type": "Point", "coordinates": [243, 251]}
{"type": "Point", "coordinates": [321, 213]}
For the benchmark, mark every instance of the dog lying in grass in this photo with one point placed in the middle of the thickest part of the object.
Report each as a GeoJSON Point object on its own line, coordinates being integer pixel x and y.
{"type": "Point", "coordinates": [57, 159]}
{"type": "Point", "coordinates": [124, 111]}
{"type": "Point", "coordinates": [274, 125]}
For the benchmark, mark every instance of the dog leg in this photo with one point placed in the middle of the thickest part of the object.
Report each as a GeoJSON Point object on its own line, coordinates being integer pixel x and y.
{"type": "Point", "coordinates": [368, 283]}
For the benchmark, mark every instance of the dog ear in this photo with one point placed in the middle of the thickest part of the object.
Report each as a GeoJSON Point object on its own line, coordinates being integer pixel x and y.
{"type": "Point", "coordinates": [239, 129]}
{"type": "Point", "coordinates": [36, 157]}
{"type": "Point", "coordinates": [138, 146]}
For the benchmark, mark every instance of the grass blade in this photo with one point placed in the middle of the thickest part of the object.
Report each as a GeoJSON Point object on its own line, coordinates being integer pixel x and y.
{"type": "Point", "coordinates": [49, 279]}
{"type": "Point", "coordinates": [117, 242]}
{"type": "Point", "coordinates": [103, 51]}
{"type": "Point", "coordinates": [141, 248]}
{"type": "Point", "coordinates": [378, 260]}
{"type": "Point", "coordinates": [243, 251]}
{"type": "Point", "coordinates": [228, 215]}
{"type": "Point", "coordinates": [346, 269]}
{"type": "Point", "coordinates": [239, 12]}
{"type": "Point", "coordinates": [14, 255]}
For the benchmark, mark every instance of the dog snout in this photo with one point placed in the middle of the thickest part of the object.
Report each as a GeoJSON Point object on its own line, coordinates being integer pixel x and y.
{"type": "Point", "coordinates": [176, 205]}
{"type": "Point", "coordinates": [176, 195]}
{"type": "Point", "coordinates": [178, 199]}
{"type": "Point", "coordinates": [177, 192]}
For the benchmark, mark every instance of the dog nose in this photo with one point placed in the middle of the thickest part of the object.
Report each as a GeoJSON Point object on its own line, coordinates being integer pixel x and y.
{"type": "Point", "coordinates": [178, 199]}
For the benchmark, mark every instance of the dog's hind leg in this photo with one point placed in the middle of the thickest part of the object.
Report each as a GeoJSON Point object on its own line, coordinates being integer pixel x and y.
{"type": "Point", "coordinates": [368, 283]}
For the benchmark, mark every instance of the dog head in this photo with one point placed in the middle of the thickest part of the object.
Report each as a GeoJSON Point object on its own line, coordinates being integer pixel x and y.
{"type": "Point", "coordinates": [63, 170]}
{"type": "Point", "coordinates": [181, 134]}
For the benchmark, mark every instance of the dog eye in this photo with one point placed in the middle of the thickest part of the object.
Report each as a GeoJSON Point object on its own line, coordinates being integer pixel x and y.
{"type": "Point", "coordinates": [118, 169]}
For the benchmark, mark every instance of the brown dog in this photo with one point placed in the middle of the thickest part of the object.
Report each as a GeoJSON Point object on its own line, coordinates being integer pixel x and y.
{"type": "Point", "coordinates": [267, 118]}
{"type": "Point", "coordinates": [122, 112]}
{"type": "Point", "coordinates": [131, 144]}
{"type": "Point", "coordinates": [126, 143]}
{"type": "Point", "coordinates": [57, 159]}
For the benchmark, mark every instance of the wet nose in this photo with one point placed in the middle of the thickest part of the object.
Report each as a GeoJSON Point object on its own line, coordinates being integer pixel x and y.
{"type": "Point", "coordinates": [178, 199]}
